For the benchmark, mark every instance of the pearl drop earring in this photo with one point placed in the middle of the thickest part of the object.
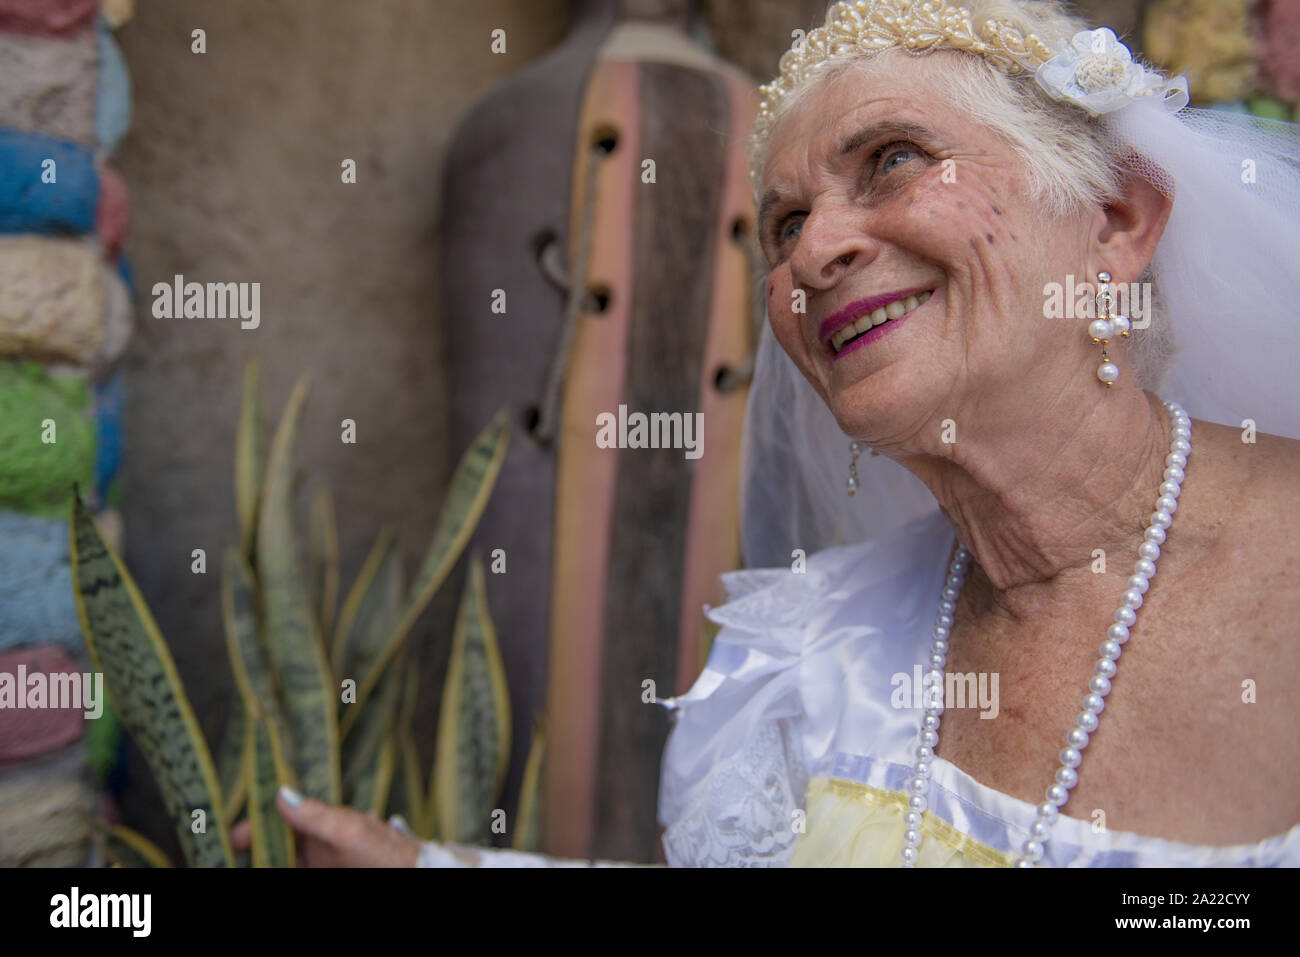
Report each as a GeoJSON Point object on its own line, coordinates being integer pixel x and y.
{"type": "Point", "coordinates": [1106, 325]}
{"type": "Point", "coordinates": [855, 449]}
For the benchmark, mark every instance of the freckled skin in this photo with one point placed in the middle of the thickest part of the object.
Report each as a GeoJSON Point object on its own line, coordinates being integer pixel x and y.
{"type": "Point", "coordinates": [1048, 464]}
{"type": "Point", "coordinates": [911, 229]}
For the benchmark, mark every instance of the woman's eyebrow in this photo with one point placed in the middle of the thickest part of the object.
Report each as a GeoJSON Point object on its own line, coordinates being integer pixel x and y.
{"type": "Point", "coordinates": [854, 141]}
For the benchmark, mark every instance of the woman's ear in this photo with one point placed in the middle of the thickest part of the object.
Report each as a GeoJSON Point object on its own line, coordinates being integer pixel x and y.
{"type": "Point", "coordinates": [1130, 228]}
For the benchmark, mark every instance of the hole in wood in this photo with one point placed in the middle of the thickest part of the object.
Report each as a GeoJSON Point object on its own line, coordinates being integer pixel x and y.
{"type": "Point", "coordinates": [598, 298]}
{"type": "Point", "coordinates": [605, 139]}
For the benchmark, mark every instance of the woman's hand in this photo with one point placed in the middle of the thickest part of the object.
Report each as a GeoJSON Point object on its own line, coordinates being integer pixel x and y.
{"type": "Point", "coordinates": [328, 836]}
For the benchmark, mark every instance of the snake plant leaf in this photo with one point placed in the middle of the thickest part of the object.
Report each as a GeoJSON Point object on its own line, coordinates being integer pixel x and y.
{"type": "Point", "coordinates": [293, 642]}
{"type": "Point", "coordinates": [230, 761]}
{"type": "Point", "coordinates": [323, 558]}
{"type": "Point", "coordinates": [272, 840]}
{"type": "Point", "coordinates": [373, 791]}
{"type": "Point", "coordinates": [471, 486]}
{"type": "Point", "coordinates": [528, 831]}
{"type": "Point", "coordinates": [474, 724]}
{"type": "Point", "coordinates": [359, 789]}
{"type": "Point", "coordinates": [365, 619]}
{"type": "Point", "coordinates": [410, 801]}
{"type": "Point", "coordinates": [248, 659]}
{"type": "Point", "coordinates": [361, 748]}
{"type": "Point", "coordinates": [128, 848]}
{"type": "Point", "coordinates": [250, 459]}
{"type": "Point", "coordinates": [146, 692]}
{"type": "Point", "coordinates": [372, 610]}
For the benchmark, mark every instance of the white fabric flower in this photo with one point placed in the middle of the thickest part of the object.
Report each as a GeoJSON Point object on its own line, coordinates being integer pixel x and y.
{"type": "Point", "coordinates": [1097, 72]}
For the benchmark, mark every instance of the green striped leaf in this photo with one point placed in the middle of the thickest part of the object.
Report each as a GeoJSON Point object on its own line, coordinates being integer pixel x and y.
{"type": "Point", "coordinates": [128, 848]}
{"type": "Point", "coordinates": [272, 840]}
{"type": "Point", "coordinates": [373, 789]}
{"type": "Point", "coordinates": [410, 801]}
{"type": "Point", "coordinates": [471, 486]}
{"type": "Point", "coordinates": [528, 829]}
{"type": "Point", "coordinates": [230, 761]}
{"type": "Point", "coordinates": [146, 692]}
{"type": "Point", "coordinates": [293, 643]}
{"type": "Point", "coordinates": [248, 658]}
{"type": "Point", "coordinates": [383, 781]}
{"type": "Point", "coordinates": [250, 459]}
{"type": "Point", "coordinates": [370, 610]}
{"type": "Point", "coordinates": [323, 558]}
{"type": "Point", "coordinates": [474, 725]}
{"type": "Point", "coordinates": [361, 748]}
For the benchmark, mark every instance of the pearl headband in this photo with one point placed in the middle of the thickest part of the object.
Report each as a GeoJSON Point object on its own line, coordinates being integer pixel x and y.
{"type": "Point", "coordinates": [1093, 71]}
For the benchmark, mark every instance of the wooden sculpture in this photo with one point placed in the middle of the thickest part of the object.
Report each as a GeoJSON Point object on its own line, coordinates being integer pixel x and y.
{"type": "Point", "coordinates": [602, 193]}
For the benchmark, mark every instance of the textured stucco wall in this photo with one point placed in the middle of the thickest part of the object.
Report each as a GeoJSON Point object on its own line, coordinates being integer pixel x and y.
{"type": "Point", "coordinates": [233, 163]}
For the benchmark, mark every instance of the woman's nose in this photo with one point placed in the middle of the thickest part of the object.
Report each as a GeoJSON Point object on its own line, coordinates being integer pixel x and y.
{"type": "Point", "coordinates": [829, 245]}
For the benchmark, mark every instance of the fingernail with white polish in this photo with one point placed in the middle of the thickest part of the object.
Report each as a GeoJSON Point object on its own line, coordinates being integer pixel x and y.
{"type": "Point", "coordinates": [291, 797]}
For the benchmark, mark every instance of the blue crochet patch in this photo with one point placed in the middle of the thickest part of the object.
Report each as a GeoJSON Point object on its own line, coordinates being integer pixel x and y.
{"type": "Point", "coordinates": [29, 204]}
{"type": "Point", "coordinates": [36, 603]}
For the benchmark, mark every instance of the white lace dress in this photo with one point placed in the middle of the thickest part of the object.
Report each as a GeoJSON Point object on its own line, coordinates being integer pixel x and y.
{"type": "Point", "coordinates": [795, 744]}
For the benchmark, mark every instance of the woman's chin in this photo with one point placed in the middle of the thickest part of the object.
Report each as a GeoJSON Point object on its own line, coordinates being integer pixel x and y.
{"type": "Point", "coordinates": [875, 407]}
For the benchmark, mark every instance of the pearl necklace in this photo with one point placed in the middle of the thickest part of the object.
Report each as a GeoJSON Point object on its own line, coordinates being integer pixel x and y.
{"type": "Point", "coordinates": [1094, 702]}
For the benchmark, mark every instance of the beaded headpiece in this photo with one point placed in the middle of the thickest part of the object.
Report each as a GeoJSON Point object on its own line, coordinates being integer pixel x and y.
{"type": "Point", "coordinates": [1093, 71]}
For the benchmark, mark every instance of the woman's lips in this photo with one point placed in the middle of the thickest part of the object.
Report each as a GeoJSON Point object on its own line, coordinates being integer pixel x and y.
{"type": "Point", "coordinates": [854, 311]}
{"type": "Point", "coordinates": [869, 328]}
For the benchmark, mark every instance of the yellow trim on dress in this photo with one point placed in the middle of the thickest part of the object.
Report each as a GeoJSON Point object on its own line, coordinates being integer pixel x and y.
{"type": "Point", "coordinates": [857, 825]}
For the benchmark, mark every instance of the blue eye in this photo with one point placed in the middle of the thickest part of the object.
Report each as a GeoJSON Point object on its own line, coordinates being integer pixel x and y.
{"type": "Point", "coordinates": [889, 158]}
{"type": "Point", "coordinates": [786, 235]}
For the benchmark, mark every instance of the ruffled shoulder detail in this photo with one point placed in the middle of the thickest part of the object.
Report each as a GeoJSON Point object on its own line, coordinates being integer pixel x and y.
{"type": "Point", "coordinates": [730, 782]}
{"type": "Point", "coordinates": [770, 604]}
{"type": "Point", "coordinates": [734, 774]}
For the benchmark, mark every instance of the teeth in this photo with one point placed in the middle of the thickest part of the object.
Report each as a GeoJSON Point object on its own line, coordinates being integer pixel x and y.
{"type": "Point", "coordinates": [894, 310]}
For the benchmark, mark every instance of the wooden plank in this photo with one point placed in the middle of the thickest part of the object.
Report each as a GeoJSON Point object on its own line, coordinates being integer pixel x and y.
{"type": "Point", "coordinates": [675, 248]}
{"type": "Point", "coordinates": [507, 180]}
{"type": "Point", "coordinates": [713, 528]}
{"type": "Point", "coordinates": [584, 478]}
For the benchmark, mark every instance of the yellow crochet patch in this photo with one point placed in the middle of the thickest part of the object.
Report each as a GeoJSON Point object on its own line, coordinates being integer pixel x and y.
{"type": "Point", "coordinates": [857, 825]}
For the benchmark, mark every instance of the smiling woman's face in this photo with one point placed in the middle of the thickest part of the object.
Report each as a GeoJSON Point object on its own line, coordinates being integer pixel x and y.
{"type": "Point", "coordinates": [876, 190]}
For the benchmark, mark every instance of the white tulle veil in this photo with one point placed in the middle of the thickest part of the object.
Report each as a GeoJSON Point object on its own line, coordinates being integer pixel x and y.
{"type": "Point", "coordinates": [1228, 270]}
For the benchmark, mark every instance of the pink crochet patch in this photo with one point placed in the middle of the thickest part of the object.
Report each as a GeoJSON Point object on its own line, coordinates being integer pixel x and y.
{"type": "Point", "coordinates": [27, 732]}
{"type": "Point", "coordinates": [47, 18]}
{"type": "Point", "coordinates": [113, 212]}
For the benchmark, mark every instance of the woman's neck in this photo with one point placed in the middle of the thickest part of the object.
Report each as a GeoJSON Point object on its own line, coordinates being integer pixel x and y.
{"type": "Point", "coordinates": [1034, 503]}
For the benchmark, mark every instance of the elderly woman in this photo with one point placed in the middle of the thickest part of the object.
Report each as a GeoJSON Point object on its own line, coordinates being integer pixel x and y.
{"type": "Point", "coordinates": [918, 212]}
{"type": "Point", "coordinates": [969, 659]}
